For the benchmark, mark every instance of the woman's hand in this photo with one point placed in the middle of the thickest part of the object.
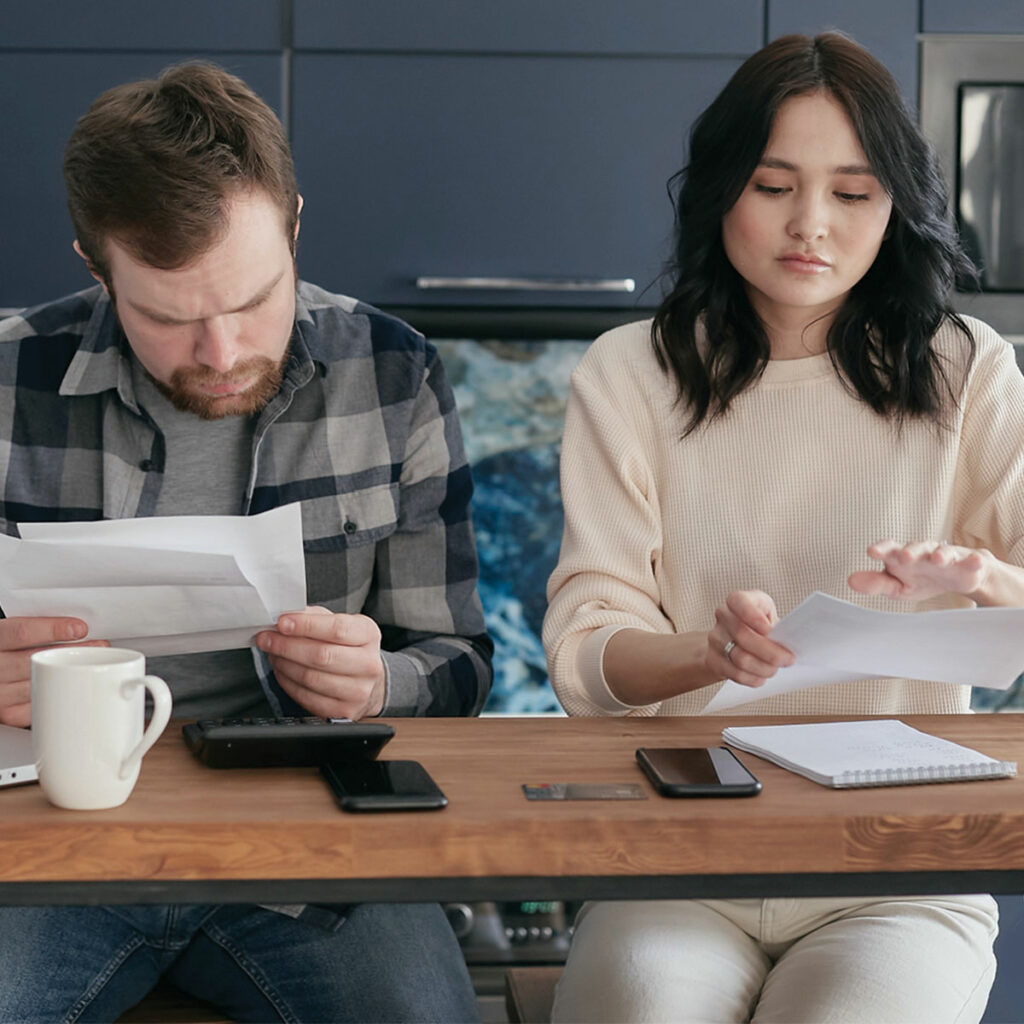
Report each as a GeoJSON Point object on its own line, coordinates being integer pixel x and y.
{"type": "Point", "coordinates": [924, 569]}
{"type": "Point", "coordinates": [739, 647]}
{"type": "Point", "coordinates": [641, 667]}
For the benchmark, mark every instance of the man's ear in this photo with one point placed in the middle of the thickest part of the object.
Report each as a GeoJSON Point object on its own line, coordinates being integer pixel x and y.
{"type": "Point", "coordinates": [298, 213]}
{"type": "Point", "coordinates": [89, 264]}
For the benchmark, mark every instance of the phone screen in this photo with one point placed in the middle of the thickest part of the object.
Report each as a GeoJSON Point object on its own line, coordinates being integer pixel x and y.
{"type": "Point", "coordinates": [698, 771]}
{"type": "Point", "coordinates": [383, 785]}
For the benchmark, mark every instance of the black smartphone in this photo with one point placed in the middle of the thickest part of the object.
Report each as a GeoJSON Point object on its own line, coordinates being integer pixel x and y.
{"type": "Point", "coordinates": [383, 786]}
{"type": "Point", "coordinates": [697, 771]}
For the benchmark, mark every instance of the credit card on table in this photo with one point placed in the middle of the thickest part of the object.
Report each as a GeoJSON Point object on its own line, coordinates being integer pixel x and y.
{"type": "Point", "coordinates": [584, 791]}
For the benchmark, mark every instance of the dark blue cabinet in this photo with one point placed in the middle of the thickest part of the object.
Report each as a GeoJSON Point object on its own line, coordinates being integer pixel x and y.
{"type": "Point", "coordinates": [1006, 1001]}
{"type": "Point", "coordinates": [521, 146]}
{"type": "Point", "coordinates": [221, 25]}
{"type": "Point", "coordinates": [525, 167]}
{"type": "Point", "coordinates": [522, 139]}
{"type": "Point", "coordinates": [974, 16]}
{"type": "Point", "coordinates": [452, 139]}
{"type": "Point", "coordinates": [640, 27]}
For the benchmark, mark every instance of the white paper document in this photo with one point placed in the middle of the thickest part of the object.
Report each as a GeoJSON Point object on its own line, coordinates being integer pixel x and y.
{"type": "Point", "coordinates": [836, 642]}
{"type": "Point", "coordinates": [163, 585]}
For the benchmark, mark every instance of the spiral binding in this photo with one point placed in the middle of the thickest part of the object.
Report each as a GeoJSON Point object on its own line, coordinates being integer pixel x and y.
{"type": "Point", "coordinates": [926, 773]}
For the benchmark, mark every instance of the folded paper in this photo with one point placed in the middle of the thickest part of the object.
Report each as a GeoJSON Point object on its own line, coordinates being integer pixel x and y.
{"type": "Point", "coordinates": [161, 585]}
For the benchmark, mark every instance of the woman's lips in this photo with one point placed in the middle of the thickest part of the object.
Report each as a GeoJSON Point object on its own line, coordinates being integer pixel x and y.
{"type": "Point", "coordinates": [804, 264]}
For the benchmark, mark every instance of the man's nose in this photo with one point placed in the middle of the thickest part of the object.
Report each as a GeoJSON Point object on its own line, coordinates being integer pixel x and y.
{"type": "Point", "coordinates": [217, 346]}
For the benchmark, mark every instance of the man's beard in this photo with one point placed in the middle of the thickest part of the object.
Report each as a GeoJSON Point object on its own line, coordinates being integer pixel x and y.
{"type": "Point", "coordinates": [185, 391]}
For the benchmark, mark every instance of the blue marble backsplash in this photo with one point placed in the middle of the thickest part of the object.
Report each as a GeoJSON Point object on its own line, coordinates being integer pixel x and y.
{"type": "Point", "coordinates": [511, 397]}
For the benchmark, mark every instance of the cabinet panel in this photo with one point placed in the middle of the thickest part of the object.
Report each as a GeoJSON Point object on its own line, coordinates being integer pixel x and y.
{"type": "Point", "coordinates": [887, 28]}
{"type": "Point", "coordinates": [500, 166]}
{"type": "Point", "coordinates": [43, 96]}
{"type": "Point", "coordinates": [531, 26]}
{"type": "Point", "coordinates": [129, 25]}
{"type": "Point", "coordinates": [975, 16]}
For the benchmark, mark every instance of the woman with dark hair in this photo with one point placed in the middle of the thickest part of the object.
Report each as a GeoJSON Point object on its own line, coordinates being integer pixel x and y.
{"type": "Point", "coordinates": [806, 412]}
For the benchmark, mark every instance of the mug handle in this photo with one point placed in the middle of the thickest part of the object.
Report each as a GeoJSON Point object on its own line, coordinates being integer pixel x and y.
{"type": "Point", "coordinates": [161, 695]}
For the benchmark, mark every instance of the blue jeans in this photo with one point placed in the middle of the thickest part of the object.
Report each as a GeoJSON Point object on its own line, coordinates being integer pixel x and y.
{"type": "Point", "coordinates": [387, 962]}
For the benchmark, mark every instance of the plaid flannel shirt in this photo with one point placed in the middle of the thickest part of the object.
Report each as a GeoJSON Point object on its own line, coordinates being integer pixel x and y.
{"type": "Point", "coordinates": [363, 432]}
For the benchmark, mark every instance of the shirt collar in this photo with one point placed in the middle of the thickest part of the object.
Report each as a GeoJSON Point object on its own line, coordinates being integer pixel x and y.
{"type": "Point", "coordinates": [309, 345]}
{"type": "Point", "coordinates": [101, 361]}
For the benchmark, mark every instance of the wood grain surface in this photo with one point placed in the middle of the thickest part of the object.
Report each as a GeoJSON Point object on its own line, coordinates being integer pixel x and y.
{"type": "Point", "coordinates": [186, 821]}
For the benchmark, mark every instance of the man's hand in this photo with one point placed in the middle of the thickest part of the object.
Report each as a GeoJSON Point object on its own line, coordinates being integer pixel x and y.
{"type": "Point", "coordinates": [328, 662]}
{"type": "Point", "coordinates": [924, 569]}
{"type": "Point", "coordinates": [20, 638]}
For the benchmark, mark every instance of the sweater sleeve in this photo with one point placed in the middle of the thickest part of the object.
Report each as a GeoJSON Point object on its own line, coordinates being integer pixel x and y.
{"type": "Point", "coordinates": [990, 470]}
{"type": "Point", "coordinates": [606, 574]}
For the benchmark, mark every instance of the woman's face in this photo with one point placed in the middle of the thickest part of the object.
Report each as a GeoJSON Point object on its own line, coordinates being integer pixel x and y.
{"type": "Point", "coordinates": [811, 220]}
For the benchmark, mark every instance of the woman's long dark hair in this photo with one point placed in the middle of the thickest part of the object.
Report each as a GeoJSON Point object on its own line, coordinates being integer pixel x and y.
{"type": "Point", "coordinates": [880, 341]}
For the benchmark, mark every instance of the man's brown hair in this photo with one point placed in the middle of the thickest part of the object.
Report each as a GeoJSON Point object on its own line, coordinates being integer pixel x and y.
{"type": "Point", "coordinates": [154, 163]}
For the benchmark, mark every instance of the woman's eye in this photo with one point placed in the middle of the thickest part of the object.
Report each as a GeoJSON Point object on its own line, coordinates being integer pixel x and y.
{"type": "Point", "coordinates": [771, 190]}
{"type": "Point", "coordinates": [852, 197]}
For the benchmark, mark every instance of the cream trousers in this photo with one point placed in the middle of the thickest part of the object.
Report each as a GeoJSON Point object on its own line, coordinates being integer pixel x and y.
{"type": "Point", "coordinates": [787, 961]}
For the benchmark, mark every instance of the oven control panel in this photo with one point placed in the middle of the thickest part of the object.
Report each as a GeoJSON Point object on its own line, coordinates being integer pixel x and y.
{"type": "Point", "coordinates": [513, 932]}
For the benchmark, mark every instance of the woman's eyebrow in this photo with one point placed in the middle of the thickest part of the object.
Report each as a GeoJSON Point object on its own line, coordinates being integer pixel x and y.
{"type": "Point", "coordinates": [785, 165]}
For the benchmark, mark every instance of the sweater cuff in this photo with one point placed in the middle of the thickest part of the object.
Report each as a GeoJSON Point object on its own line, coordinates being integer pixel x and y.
{"type": "Point", "coordinates": [590, 667]}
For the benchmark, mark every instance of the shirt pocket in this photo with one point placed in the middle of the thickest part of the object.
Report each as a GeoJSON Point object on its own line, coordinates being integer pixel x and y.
{"type": "Point", "coordinates": [341, 521]}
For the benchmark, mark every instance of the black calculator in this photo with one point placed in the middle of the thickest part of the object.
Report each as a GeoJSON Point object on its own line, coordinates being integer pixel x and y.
{"type": "Point", "coordinates": [283, 742]}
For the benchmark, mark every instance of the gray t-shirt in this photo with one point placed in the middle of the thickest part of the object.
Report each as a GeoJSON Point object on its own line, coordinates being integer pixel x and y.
{"type": "Point", "coordinates": [206, 473]}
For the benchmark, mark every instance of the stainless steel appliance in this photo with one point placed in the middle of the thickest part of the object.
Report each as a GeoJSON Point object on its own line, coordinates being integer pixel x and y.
{"type": "Point", "coordinates": [972, 110]}
{"type": "Point", "coordinates": [496, 936]}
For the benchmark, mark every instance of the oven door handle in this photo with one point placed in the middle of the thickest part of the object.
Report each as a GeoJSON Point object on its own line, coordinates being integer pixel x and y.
{"type": "Point", "coordinates": [529, 284]}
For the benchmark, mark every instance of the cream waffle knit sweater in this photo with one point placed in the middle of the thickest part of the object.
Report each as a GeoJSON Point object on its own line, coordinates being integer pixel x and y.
{"type": "Point", "coordinates": [782, 494]}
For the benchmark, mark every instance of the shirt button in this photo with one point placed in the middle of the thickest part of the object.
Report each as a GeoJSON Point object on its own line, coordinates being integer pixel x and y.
{"type": "Point", "coordinates": [350, 527]}
{"type": "Point", "coordinates": [146, 465]}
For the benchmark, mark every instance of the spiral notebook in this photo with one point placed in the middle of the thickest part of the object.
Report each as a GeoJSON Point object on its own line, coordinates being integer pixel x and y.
{"type": "Point", "coordinates": [870, 753]}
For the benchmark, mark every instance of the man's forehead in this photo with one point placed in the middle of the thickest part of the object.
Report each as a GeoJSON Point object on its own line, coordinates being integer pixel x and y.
{"type": "Point", "coordinates": [247, 215]}
{"type": "Point", "coordinates": [247, 261]}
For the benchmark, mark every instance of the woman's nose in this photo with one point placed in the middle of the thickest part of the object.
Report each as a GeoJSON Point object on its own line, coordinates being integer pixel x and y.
{"type": "Point", "coordinates": [809, 220]}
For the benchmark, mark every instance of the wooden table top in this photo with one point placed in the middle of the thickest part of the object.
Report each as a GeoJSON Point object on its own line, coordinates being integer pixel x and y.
{"type": "Point", "coordinates": [189, 831]}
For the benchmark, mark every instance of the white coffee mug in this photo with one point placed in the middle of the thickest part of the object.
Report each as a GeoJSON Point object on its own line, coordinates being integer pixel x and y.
{"type": "Point", "coordinates": [88, 708]}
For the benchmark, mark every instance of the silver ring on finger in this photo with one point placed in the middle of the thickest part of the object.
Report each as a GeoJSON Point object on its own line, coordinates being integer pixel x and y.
{"type": "Point", "coordinates": [727, 649]}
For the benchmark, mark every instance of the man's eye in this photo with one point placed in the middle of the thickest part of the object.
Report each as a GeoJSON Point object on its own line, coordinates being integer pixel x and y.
{"type": "Point", "coordinates": [771, 190]}
{"type": "Point", "coordinates": [852, 197]}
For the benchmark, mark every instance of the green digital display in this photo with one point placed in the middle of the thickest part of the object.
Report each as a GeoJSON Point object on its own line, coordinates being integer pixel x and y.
{"type": "Point", "coordinates": [539, 907]}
